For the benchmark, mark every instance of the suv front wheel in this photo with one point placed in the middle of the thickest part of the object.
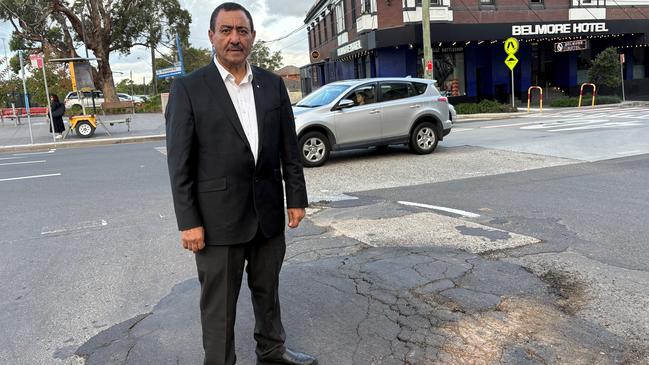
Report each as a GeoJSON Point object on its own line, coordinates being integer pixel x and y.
{"type": "Point", "coordinates": [314, 149]}
{"type": "Point", "coordinates": [423, 139]}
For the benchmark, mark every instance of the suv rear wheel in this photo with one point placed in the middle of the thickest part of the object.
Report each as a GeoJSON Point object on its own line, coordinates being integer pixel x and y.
{"type": "Point", "coordinates": [423, 139]}
{"type": "Point", "coordinates": [314, 149]}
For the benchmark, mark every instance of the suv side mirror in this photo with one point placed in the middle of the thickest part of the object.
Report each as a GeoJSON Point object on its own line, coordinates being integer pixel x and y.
{"type": "Point", "coordinates": [345, 103]}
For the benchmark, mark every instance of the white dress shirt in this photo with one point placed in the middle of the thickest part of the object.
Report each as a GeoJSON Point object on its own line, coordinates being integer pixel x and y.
{"type": "Point", "coordinates": [243, 98]}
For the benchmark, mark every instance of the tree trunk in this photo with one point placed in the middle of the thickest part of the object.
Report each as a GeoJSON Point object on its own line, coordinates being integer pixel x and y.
{"type": "Point", "coordinates": [106, 75]}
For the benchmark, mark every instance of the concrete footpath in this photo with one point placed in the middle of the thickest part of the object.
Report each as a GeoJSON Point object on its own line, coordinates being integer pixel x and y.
{"type": "Point", "coordinates": [353, 293]}
{"type": "Point", "coordinates": [151, 126]}
{"type": "Point", "coordinates": [143, 127]}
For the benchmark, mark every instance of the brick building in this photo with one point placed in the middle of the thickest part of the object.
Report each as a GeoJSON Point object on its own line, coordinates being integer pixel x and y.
{"type": "Point", "coordinates": [373, 38]}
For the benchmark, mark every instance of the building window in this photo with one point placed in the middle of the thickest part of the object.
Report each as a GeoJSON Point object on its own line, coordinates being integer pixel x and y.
{"type": "Point", "coordinates": [487, 2]}
{"type": "Point", "coordinates": [318, 35]}
{"type": "Point", "coordinates": [310, 40]}
{"type": "Point", "coordinates": [354, 13]}
{"type": "Point", "coordinates": [333, 26]}
{"type": "Point", "coordinates": [326, 33]}
{"type": "Point", "coordinates": [432, 3]}
{"type": "Point", "coordinates": [340, 17]}
{"type": "Point", "coordinates": [536, 2]}
{"type": "Point", "coordinates": [366, 7]}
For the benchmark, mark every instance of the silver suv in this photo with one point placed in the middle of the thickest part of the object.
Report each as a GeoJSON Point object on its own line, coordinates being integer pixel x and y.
{"type": "Point", "coordinates": [371, 112]}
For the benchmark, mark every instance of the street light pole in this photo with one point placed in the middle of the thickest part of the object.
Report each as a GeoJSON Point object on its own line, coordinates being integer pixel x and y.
{"type": "Point", "coordinates": [428, 50]}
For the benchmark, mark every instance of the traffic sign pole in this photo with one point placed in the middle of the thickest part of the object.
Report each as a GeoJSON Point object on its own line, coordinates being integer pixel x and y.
{"type": "Point", "coordinates": [513, 103]}
{"type": "Point", "coordinates": [622, 74]}
{"type": "Point", "coordinates": [511, 47]}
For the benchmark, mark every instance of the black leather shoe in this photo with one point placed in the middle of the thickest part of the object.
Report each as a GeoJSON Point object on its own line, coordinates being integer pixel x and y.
{"type": "Point", "coordinates": [291, 357]}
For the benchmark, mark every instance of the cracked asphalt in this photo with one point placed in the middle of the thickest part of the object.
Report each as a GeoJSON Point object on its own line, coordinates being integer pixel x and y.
{"type": "Point", "coordinates": [349, 302]}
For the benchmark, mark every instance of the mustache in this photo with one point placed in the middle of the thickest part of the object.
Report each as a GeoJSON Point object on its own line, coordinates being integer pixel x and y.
{"type": "Point", "coordinates": [235, 47]}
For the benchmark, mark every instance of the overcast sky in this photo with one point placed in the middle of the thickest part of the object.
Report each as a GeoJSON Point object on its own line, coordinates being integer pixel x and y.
{"type": "Point", "coordinates": [272, 18]}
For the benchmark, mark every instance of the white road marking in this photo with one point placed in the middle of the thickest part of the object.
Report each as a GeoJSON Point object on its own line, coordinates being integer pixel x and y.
{"type": "Point", "coordinates": [29, 177]}
{"type": "Point", "coordinates": [462, 129]}
{"type": "Point", "coordinates": [81, 226]}
{"type": "Point", "coordinates": [507, 125]}
{"type": "Point", "coordinates": [629, 152]}
{"type": "Point", "coordinates": [565, 124]}
{"type": "Point", "coordinates": [11, 158]}
{"type": "Point", "coordinates": [162, 150]}
{"type": "Point", "coordinates": [34, 153]}
{"type": "Point", "coordinates": [443, 209]}
{"type": "Point", "coordinates": [21, 163]}
{"type": "Point", "coordinates": [598, 126]}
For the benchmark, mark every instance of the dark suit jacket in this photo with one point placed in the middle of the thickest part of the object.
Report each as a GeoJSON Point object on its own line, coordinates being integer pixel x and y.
{"type": "Point", "coordinates": [214, 179]}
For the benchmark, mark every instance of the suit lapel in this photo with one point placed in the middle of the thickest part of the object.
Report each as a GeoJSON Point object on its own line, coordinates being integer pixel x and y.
{"type": "Point", "coordinates": [220, 94]}
{"type": "Point", "coordinates": [260, 106]}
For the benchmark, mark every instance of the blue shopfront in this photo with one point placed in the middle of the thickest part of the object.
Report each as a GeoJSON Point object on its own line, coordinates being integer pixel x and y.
{"type": "Point", "coordinates": [469, 59]}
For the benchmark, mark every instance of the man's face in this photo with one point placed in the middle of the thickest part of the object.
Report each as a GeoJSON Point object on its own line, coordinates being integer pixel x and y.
{"type": "Point", "coordinates": [232, 38]}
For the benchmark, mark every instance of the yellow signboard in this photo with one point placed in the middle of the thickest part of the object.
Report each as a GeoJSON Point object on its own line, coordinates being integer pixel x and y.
{"type": "Point", "coordinates": [511, 45]}
{"type": "Point", "coordinates": [511, 61]}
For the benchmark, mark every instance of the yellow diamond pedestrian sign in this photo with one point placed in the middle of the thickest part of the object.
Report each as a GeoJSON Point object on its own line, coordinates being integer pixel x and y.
{"type": "Point", "coordinates": [511, 45]}
{"type": "Point", "coordinates": [511, 61]}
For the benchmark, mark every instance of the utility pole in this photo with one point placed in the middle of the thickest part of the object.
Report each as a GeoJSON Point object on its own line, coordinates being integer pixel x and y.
{"type": "Point", "coordinates": [428, 50]}
{"type": "Point", "coordinates": [154, 80]}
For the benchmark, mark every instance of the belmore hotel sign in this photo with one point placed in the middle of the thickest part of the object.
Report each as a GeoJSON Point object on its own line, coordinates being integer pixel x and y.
{"type": "Point", "coordinates": [561, 28]}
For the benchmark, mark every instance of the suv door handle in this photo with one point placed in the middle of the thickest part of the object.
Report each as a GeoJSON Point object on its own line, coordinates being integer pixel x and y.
{"type": "Point", "coordinates": [416, 106]}
{"type": "Point", "coordinates": [375, 111]}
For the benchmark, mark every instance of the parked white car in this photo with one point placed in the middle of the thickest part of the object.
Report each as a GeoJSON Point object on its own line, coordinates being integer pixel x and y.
{"type": "Point", "coordinates": [126, 97]}
{"type": "Point", "coordinates": [77, 99]}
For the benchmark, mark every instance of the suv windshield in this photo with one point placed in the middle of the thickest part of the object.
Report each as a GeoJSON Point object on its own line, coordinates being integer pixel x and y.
{"type": "Point", "coordinates": [323, 96]}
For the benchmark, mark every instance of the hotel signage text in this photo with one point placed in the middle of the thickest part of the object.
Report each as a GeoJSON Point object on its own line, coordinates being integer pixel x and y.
{"type": "Point", "coordinates": [561, 28]}
{"type": "Point", "coordinates": [355, 46]}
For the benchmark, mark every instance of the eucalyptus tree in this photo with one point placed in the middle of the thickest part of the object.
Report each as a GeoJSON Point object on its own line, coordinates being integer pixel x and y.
{"type": "Point", "coordinates": [105, 27]}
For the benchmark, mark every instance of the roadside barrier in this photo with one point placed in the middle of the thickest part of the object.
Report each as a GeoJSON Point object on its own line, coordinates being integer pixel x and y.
{"type": "Point", "coordinates": [529, 97]}
{"type": "Point", "coordinates": [581, 93]}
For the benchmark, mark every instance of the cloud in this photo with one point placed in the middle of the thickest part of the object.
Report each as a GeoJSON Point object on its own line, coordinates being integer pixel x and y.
{"type": "Point", "coordinates": [284, 8]}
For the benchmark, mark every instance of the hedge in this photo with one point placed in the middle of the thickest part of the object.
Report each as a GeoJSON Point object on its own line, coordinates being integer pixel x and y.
{"type": "Point", "coordinates": [485, 106]}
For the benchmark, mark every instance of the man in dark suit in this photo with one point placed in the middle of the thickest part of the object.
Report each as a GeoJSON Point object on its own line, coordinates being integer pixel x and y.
{"type": "Point", "coordinates": [231, 141]}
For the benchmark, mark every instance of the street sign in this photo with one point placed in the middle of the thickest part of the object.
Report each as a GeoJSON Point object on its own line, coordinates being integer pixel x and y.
{"type": "Point", "coordinates": [36, 60]}
{"type": "Point", "coordinates": [511, 45]}
{"type": "Point", "coordinates": [429, 65]}
{"type": "Point", "coordinates": [511, 61]}
{"type": "Point", "coordinates": [163, 73]}
{"type": "Point", "coordinates": [577, 45]}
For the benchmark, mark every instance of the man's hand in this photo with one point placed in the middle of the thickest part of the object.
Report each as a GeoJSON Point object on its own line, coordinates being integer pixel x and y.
{"type": "Point", "coordinates": [295, 216]}
{"type": "Point", "coordinates": [193, 239]}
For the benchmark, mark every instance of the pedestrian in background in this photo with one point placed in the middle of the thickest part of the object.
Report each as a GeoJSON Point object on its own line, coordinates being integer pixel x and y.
{"type": "Point", "coordinates": [58, 110]}
{"type": "Point", "coordinates": [231, 141]}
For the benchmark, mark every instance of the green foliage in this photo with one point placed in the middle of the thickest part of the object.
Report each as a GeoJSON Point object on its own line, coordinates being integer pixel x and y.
{"type": "Point", "coordinates": [104, 26]}
{"type": "Point", "coordinates": [194, 58]}
{"type": "Point", "coordinates": [605, 69]}
{"type": "Point", "coordinates": [485, 106]}
{"type": "Point", "coordinates": [260, 56]}
{"type": "Point", "coordinates": [573, 102]}
{"type": "Point", "coordinates": [57, 83]}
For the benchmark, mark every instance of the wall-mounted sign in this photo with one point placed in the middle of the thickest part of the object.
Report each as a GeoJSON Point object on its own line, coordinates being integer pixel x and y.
{"type": "Point", "coordinates": [348, 48]}
{"type": "Point", "coordinates": [578, 45]}
{"type": "Point", "coordinates": [315, 55]}
{"type": "Point", "coordinates": [560, 28]}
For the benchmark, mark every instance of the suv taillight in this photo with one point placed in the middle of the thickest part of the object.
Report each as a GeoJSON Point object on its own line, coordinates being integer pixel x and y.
{"type": "Point", "coordinates": [443, 99]}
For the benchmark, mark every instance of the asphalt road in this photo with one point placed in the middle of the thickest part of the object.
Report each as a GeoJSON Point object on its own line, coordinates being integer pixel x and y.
{"type": "Point", "coordinates": [89, 238]}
